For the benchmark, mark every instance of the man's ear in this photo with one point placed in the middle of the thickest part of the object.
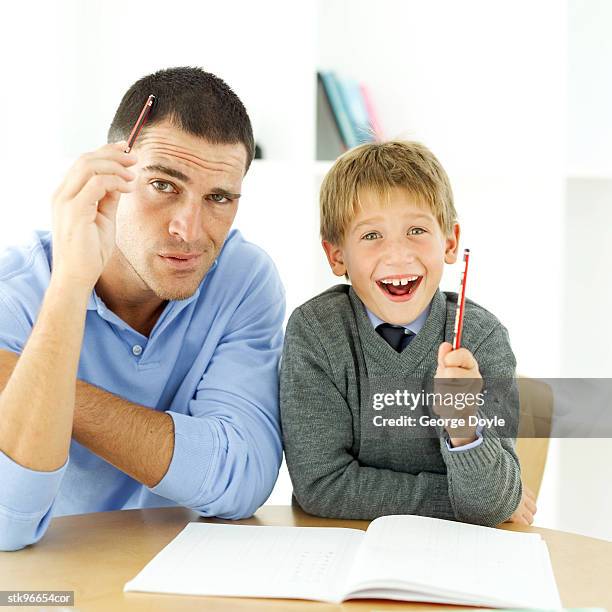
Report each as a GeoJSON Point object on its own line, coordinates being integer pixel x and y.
{"type": "Point", "coordinates": [452, 245]}
{"type": "Point", "coordinates": [335, 258]}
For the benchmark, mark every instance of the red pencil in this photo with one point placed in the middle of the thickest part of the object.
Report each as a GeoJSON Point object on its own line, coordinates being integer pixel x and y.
{"type": "Point", "coordinates": [144, 113]}
{"type": "Point", "coordinates": [461, 301]}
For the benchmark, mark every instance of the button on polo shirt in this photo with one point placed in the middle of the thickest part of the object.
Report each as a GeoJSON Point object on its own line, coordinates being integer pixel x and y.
{"type": "Point", "coordinates": [136, 344]}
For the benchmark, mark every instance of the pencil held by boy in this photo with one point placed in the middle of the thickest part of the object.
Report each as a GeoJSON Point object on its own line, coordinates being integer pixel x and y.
{"type": "Point", "coordinates": [388, 223]}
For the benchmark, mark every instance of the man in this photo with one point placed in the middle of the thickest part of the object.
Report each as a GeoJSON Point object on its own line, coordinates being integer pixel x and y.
{"type": "Point", "coordinates": [171, 323]}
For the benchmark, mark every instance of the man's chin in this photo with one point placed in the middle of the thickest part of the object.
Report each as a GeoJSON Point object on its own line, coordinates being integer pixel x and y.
{"type": "Point", "coordinates": [171, 287]}
{"type": "Point", "coordinates": [175, 289]}
{"type": "Point", "coordinates": [175, 293]}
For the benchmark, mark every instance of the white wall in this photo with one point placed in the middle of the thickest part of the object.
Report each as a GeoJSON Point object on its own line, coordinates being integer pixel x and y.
{"type": "Point", "coordinates": [583, 497]}
{"type": "Point", "coordinates": [65, 71]}
{"type": "Point", "coordinates": [474, 82]}
{"type": "Point", "coordinates": [500, 91]}
{"type": "Point", "coordinates": [590, 88]}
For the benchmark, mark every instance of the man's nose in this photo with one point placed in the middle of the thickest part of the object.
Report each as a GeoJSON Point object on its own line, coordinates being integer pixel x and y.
{"type": "Point", "coordinates": [186, 222]}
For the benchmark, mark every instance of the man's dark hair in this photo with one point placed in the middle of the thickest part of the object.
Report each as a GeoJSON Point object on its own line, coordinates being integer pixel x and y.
{"type": "Point", "coordinates": [193, 100]}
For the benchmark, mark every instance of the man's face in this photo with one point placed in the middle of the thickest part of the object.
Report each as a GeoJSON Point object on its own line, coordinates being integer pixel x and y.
{"type": "Point", "coordinates": [171, 228]}
{"type": "Point", "coordinates": [394, 255]}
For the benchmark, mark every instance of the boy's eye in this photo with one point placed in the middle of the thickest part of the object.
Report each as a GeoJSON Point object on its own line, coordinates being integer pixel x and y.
{"type": "Point", "coordinates": [219, 198]}
{"type": "Point", "coordinates": [164, 187]}
{"type": "Point", "coordinates": [370, 236]}
{"type": "Point", "coordinates": [416, 231]}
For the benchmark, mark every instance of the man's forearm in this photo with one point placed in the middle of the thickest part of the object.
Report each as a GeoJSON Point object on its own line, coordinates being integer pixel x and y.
{"type": "Point", "coordinates": [37, 403]}
{"type": "Point", "coordinates": [137, 440]}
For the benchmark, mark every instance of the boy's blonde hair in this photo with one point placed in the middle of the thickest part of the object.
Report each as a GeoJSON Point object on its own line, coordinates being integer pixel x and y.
{"type": "Point", "coordinates": [380, 167]}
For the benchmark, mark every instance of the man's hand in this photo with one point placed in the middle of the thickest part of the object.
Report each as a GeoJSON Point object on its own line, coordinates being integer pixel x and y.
{"type": "Point", "coordinates": [37, 404]}
{"type": "Point", "coordinates": [525, 511]}
{"type": "Point", "coordinates": [458, 374]}
{"type": "Point", "coordinates": [84, 208]}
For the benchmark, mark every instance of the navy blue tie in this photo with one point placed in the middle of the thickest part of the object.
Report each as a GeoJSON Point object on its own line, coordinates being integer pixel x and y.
{"type": "Point", "coordinates": [395, 335]}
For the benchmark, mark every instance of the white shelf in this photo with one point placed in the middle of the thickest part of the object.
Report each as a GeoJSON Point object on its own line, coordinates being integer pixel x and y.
{"type": "Point", "coordinates": [316, 167]}
{"type": "Point", "coordinates": [590, 175]}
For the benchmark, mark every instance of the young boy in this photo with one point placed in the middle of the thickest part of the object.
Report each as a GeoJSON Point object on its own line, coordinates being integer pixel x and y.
{"type": "Point", "coordinates": [388, 223]}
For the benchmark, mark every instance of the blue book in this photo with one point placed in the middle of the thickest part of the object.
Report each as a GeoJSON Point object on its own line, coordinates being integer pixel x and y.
{"type": "Point", "coordinates": [341, 113]}
{"type": "Point", "coordinates": [358, 112]}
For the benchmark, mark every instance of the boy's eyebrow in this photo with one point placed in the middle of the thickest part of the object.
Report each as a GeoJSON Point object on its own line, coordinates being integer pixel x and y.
{"type": "Point", "coordinates": [371, 220]}
{"type": "Point", "coordinates": [367, 222]}
{"type": "Point", "coordinates": [177, 174]}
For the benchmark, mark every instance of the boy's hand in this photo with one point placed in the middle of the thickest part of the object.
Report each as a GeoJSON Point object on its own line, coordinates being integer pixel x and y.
{"type": "Point", "coordinates": [458, 373]}
{"type": "Point", "coordinates": [523, 515]}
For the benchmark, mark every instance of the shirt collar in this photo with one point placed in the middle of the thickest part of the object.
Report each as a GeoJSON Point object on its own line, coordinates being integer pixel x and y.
{"type": "Point", "coordinates": [414, 326]}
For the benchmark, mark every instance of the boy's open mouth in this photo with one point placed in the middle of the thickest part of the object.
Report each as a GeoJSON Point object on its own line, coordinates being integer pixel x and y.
{"type": "Point", "coordinates": [399, 288]}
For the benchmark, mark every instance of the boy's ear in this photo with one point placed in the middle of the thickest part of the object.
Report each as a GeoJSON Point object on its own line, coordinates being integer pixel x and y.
{"type": "Point", "coordinates": [452, 245]}
{"type": "Point", "coordinates": [334, 257]}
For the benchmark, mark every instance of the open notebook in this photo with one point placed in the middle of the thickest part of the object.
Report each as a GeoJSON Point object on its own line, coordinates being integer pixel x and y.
{"type": "Point", "coordinates": [406, 557]}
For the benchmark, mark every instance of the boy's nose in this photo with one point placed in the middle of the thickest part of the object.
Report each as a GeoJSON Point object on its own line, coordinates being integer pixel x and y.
{"type": "Point", "coordinates": [398, 251]}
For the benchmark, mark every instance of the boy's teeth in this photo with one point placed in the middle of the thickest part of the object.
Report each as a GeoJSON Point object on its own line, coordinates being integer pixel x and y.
{"type": "Point", "coordinates": [397, 281]}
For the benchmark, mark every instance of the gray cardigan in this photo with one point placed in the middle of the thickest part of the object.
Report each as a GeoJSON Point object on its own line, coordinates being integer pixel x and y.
{"type": "Point", "coordinates": [340, 465]}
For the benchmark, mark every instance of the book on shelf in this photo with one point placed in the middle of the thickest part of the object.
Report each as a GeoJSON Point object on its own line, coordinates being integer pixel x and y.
{"type": "Point", "coordinates": [375, 126]}
{"type": "Point", "coordinates": [330, 142]}
{"type": "Point", "coordinates": [345, 115]}
{"type": "Point", "coordinates": [355, 104]}
{"type": "Point", "coordinates": [331, 87]}
{"type": "Point", "coordinates": [409, 558]}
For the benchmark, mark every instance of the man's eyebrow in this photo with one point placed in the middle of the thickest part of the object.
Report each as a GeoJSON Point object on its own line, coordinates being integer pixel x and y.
{"type": "Point", "coordinates": [177, 174]}
{"type": "Point", "coordinates": [225, 192]}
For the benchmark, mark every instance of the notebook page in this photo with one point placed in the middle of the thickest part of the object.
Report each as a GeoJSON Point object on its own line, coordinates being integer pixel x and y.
{"type": "Point", "coordinates": [457, 561]}
{"type": "Point", "coordinates": [253, 561]}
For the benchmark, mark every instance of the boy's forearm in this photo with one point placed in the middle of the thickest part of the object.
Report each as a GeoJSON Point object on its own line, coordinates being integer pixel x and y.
{"type": "Point", "coordinates": [361, 492]}
{"type": "Point", "coordinates": [484, 482]}
{"type": "Point", "coordinates": [37, 403]}
{"type": "Point", "coordinates": [459, 442]}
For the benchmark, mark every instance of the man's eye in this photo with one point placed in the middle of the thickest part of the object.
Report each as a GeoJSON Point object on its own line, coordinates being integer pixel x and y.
{"type": "Point", "coordinates": [416, 231]}
{"type": "Point", "coordinates": [371, 236]}
{"type": "Point", "coordinates": [163, 187]}
{"type": "Point", "coordinates": [219, 198]}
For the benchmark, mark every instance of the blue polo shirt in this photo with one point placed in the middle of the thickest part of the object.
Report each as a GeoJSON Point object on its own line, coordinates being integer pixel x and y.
{"type": "Point", "coordinates": [210, 362]}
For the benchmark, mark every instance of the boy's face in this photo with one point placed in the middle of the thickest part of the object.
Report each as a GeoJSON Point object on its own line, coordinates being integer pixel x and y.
{"type": "Point", "coordinates": [394, 255]}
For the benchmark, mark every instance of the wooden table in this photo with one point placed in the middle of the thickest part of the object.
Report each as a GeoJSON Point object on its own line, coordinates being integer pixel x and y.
{"type": "Point", "coordinates": [96, 554]}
